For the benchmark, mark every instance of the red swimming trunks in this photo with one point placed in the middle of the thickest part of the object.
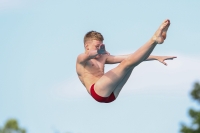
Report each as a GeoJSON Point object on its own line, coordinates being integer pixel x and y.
{"type": "Point", "coordinates": [100, 98]}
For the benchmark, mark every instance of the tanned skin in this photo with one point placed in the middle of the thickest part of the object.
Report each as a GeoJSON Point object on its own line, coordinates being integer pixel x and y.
{"type": "Point", "coordinates": [90, 64]}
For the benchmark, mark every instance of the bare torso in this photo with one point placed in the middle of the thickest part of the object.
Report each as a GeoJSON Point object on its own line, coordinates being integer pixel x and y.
{"type": "Point", "coordinates": [91, 71]}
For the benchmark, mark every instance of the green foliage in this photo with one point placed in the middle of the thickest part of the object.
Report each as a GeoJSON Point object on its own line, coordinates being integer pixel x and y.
{"type": "Point", "coordinates": [11, 126]}
{"type": "Point", "coordinates": [194, 114]}
{"type": "Point", "coordinates": [196, 92]}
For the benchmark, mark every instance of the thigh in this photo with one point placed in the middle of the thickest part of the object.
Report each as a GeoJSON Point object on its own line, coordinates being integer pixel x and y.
{"type": "Point", "coordinates": [110, 80]}
{"type": "Point", "coordinates": [122, 83]}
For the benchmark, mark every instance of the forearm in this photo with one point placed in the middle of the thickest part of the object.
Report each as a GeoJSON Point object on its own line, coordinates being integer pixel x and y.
{"type": "Point", "coordinates": [82, 58]}
{"type": "Point", "coordinates": [112, 59]}
{"type": "Point", "coordinates": [151, 57]}
{"type": "Point", "coordinates": [91, 54]}
{"type": "Point", "coordinates": [120, 58]}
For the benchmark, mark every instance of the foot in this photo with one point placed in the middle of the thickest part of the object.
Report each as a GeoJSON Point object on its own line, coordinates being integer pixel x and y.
{"type": "Point", "coordinates": [161, 33]}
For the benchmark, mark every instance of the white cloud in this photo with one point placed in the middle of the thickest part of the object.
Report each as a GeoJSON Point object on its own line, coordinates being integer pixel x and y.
{"type": "Point", "coordinates": [148, 77]}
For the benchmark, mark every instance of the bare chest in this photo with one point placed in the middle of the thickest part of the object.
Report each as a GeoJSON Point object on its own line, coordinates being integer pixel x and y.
{"type": "Point", "coordinates": [94, 66]}
{"type": "Point", "coordinates": [91, 71]}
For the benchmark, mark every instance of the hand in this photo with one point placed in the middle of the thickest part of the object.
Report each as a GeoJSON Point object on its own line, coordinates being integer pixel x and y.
{"type": "Point", "coordinates": [163, 58]}
{"type": "Point", "coordinates": [102, 50]}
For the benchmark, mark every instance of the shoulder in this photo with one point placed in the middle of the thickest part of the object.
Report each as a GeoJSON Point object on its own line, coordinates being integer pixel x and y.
{"type": "Point", "coordinates": [80, 55]}
{"type": "Point", "coordinates": [81, 58]}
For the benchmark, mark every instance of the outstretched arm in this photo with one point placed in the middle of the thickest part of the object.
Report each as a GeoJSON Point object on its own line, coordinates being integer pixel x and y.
{"type": "Point", "coordinates": [113, 59]}
{"type": "Point", "coordinates": [160, 58]}
{"type": "Point", "coordinates": [119, 58]}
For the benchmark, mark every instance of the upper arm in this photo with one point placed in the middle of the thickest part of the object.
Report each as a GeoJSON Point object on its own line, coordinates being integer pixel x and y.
{"type": "Point", "coordinates": [82, 58]}
{"type": "Point", "coordinates": [113, 59]}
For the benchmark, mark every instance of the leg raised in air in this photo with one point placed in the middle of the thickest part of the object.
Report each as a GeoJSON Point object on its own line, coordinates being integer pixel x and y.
{"type": "Point", "coordinates": [114, 80]}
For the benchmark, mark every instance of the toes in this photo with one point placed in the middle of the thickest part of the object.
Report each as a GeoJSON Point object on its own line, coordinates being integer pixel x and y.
{"type": "Point", "coordinates": [167, 20]}
{"type": "Point", "coordinates": [165, 24]}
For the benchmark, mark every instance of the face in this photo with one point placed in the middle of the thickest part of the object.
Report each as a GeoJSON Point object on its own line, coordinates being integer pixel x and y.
{"type": "Point", "coordinates": [93, 45]}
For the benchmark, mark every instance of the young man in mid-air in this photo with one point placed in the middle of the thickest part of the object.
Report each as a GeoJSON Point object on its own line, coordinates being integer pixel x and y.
{"type": "Point", "coordinates": [105, 87]}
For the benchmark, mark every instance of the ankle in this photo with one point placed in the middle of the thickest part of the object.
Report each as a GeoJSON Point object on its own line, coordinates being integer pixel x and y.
{"type": "Point", "coordinates": [153, 40]}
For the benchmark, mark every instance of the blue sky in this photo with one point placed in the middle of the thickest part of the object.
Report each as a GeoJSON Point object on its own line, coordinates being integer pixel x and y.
{"type": "Point", "coordinates": [39, 43]}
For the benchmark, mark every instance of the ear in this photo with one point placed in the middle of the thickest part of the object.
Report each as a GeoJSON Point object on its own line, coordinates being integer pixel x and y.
{"type": "Point", "coordinates": [86, 46]}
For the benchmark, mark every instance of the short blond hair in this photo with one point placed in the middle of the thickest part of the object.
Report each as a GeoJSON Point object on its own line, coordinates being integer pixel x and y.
{"type": "Point", "coordinates": [93, 35]}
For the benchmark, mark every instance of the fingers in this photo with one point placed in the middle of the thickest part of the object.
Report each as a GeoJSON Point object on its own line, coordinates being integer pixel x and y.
{"type": "Point", "coordinates": [102, 46]}
{"type": "Point", "coordinates": [164, 63]}
{"type": "Point", "coordinates": [174, 56]}
{"type": "Point", "coordinates": [163, 58]}
{"type": "Point", "coordinates": [170, 58]}
{"type": "Point", "coordinates": [103, 50]}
